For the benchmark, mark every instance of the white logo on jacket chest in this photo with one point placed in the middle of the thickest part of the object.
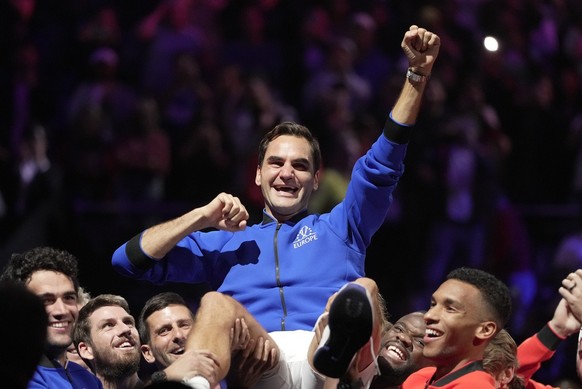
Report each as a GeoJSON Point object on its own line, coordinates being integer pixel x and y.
{"type": "Point", "coordinates": [304, 236]}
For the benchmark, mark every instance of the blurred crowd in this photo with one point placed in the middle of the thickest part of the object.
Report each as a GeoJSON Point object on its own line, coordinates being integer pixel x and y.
{"type": "Point", "coordinates": [115, 115]}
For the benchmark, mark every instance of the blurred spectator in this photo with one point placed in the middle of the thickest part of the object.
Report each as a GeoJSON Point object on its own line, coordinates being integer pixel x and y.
{"type": "Point", "coordinates": [339, 70]}
{"type": "Point", "coordinates": [103, 94]}
{"type": "Point", "coordinates": [316, 35]}
{"type": "Point", "coordinates": [253, 50]}
{"type": "Point", "coordinates": [340, 14]}
{"type": "Point", "coordinates": [24, 93]}
{"type": "Point", "coordinates": [370, 62]}
{"type": "Point", "coordinates": [33, 191]}
{"type": "Point", "coordinates": [511, 256]}
{"type": "Point", "coordinates": [100, 110]}
{"type": "Point", "coordinates": [142, 157]}
{"type": "Point", "coordinates": [463, 193]}
{"type": "Point", "coordinates": [167, 31]}
{"type": "Point", "coordinates": [102, 29]}
{"type": "Point", "coordinates": [568, 254]}
{"type": "Point", "coordinates": [186, 100]}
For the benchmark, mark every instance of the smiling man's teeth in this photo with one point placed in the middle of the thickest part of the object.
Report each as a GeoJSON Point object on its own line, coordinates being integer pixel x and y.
{"type": "Point", "coordinates": [59, 324]}
{"type": "Point", "coordinates": [124, 345]}
{"type": "Point", "coordinates": [432, 333]}
{"type": "Point", "coordinates": [396, 351]}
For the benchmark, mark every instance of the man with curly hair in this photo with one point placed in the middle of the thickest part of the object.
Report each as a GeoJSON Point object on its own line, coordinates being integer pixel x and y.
{"type": "Point", "coordinates": [52, 274]}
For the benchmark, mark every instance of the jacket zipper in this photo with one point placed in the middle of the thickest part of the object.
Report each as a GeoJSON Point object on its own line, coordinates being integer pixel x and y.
{"type": "Point", "coordinates": [277, 277]}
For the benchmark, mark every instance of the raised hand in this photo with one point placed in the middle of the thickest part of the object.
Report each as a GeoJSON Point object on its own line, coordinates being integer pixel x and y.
{"type": "Point", "coordinates": [571, 291]}
{"type": "Point", "coordinates": [226, 212]}
{"type": "Point", "coordinates": [421, 48]}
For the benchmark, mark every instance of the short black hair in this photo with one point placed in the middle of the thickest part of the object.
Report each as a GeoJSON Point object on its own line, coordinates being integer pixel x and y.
{"type": "Point", "coordinates": [21, 266]}
{"type": "Point", "coordinates": [495, 292]}
{"type": "Point", "coordinates": [154, 304]}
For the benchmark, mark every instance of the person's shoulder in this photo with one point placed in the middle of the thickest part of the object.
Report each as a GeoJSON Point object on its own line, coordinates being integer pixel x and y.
{"type": "Point", "coordinates": [79, 372]}
{"type": "Point", "coordinates": [478, 379]}
{"type": "Point", "coordinates": [74, 367]}
{"type": "Point", "coordinates": [55, 377]}
{"type": "Point", "coordinates": [419, 378]}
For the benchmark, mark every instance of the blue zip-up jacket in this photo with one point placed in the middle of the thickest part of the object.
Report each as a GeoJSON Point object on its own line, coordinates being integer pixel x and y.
{"type": "Point", "coordinates": [283, 273]}
{"type": "Point", "coordinates": [50, 374]}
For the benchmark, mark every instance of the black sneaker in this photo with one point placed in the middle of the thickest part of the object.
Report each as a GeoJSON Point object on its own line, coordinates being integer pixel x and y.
{"type": "Point", "coordinates": [350, 327]}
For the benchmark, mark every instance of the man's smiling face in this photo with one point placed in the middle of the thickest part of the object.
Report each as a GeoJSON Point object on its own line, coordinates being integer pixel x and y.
{"type": "Point", "coordinates": [59, 296]}
{"type": "Point", "coordinates": [402, 347]}
{"type": "Point", "coordinates": [452, 322]}
{"type": "Point", "coordinates": [114, 345]}
{"type": "Point", "coordinates": [287, 177]}
{"type": "Point", "coordinates": [168, 329]}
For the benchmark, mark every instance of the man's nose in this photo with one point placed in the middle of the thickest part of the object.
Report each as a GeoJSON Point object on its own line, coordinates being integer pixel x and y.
{"type": "Point", "coordinates": [287, 170]}
{"type": "Point", "coordinates": [59, 308]}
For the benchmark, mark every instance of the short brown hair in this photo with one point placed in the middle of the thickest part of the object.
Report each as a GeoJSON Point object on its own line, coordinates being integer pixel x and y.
{"type": "Point", "coordinates": [82, 332]}
{"type": "Point", "coordinates": [293, 129]}
{"type": "Point", "coordinates": [500, 354]}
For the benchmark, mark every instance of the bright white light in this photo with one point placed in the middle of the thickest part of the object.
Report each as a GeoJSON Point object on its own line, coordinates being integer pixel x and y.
{"type": "Point", "coordinates": [490, 43]}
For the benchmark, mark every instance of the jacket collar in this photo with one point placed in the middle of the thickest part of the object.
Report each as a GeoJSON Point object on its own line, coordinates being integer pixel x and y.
{"type": "Point", "coordinates": [471, 367]}
{"type": "Point", "coordinates": [45, 361]}
{"type": "Point", "coordinates": [294, 220]}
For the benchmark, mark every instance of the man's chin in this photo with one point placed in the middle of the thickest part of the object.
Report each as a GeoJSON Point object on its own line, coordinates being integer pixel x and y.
{"type": "Point", "coordinates": [171, 358]}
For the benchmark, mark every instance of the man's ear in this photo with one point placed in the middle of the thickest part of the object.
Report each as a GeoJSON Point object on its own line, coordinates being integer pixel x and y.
{"type": "Point", "coordinates": [146, 351]}
{"type": "Point", "coordinates": [258, 176]}
{"type": "Point", "coordinates": [487, 330]}
{"type": "Point", "coordinates": [85, 351]}
{"type": "Point", "coordinates": [316, 180]}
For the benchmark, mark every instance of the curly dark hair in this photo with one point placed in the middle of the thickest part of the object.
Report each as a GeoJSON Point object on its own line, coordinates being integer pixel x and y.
{"type": "Point", "coordinates": [21, 266]}
{"type": "Point", "coordinates": [495, 293]}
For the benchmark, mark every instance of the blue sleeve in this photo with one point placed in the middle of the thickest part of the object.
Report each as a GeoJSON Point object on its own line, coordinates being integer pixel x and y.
{"type": "Point", "coordinates": [369, 194]}
{"type": "Point", "coordinates": [199, 257]}
{"type": "Point", "coordinates": [186, 262]}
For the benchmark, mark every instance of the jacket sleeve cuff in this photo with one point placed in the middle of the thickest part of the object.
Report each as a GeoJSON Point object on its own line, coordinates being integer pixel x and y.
{"type": "Point", "coordinates": [397, 132]}
{"type": "Point", "coordinates": [549, 338]}
{"type": "Point", "coordinates": [136, 256]}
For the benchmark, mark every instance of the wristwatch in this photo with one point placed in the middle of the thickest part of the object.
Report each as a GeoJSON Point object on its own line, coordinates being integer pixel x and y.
{"type": "Point", "coordinates": [415, 77]}
{"type": "Point", "coordinates": [159, 376]}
